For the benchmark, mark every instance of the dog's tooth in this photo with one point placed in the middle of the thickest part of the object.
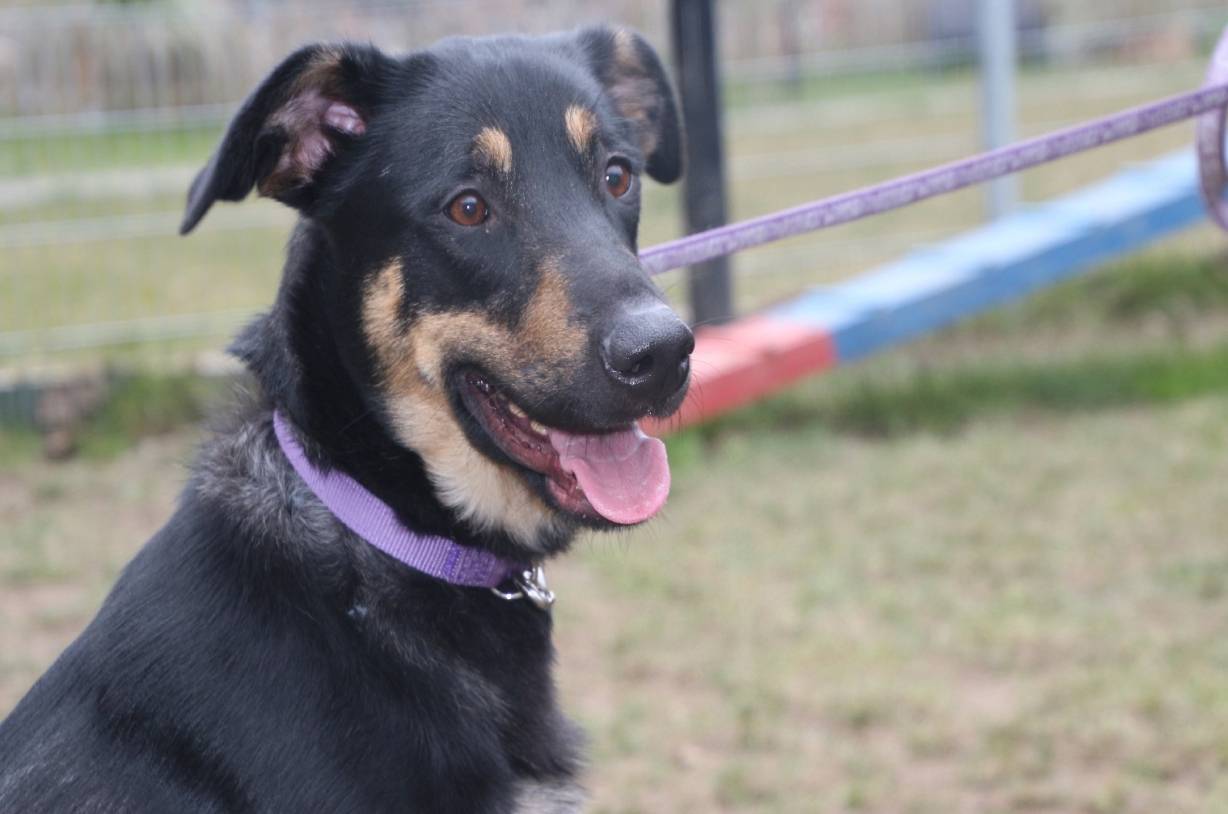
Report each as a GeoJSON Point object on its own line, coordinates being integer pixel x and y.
{"type": "Point", "coordinates": [515, 410]}
{"type": "Point", "coordinates": [537, 427]}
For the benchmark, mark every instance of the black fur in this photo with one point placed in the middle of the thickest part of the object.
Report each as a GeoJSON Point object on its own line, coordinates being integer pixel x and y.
{"type": "Point", "coordinates": [256, 655]}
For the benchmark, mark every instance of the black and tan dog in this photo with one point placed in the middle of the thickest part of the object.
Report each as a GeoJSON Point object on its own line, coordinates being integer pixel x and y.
{"type": "Point", "coordinates": [463, 328]}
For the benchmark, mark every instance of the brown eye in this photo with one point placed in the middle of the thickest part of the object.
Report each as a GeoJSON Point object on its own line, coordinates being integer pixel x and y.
{"type": "Point", "coordinates": [617, 178]}
{"type": "Point", "coordinates": [468, 209]}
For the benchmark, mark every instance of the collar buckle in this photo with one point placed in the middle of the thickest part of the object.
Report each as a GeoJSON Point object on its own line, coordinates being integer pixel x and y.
{"type": "Point", "coordinates": [531, 585]}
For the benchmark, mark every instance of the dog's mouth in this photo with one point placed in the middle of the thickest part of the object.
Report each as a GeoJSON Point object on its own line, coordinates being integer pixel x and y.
{"type": "Point", "coordinates": [620, 476]}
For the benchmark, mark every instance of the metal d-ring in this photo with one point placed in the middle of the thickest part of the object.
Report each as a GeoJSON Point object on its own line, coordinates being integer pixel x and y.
{"type": "Point", "coordinates": [1213, 176]}
{"type": "Point", "coordinates": [532, 586]}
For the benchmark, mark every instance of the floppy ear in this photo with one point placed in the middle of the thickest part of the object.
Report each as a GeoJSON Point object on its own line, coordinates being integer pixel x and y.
{"type": "Point", "coordinates": [309, 109]}
{"type": "Point", "coordinates": [632, 74]}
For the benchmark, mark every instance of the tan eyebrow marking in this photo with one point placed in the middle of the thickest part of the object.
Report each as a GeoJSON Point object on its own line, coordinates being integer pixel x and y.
{"type": "Point", "coordinates": [492, 147]}
{"type": "Point", "coordinates": [581, 126]}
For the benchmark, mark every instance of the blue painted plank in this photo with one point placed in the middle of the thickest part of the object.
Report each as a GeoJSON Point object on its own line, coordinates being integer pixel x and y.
{"type": "Point", "coordinates": [1003, 261]}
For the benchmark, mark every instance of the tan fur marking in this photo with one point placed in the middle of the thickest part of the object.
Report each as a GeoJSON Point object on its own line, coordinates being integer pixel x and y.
{"type": "Point", "coordinates": [492, 147]}
{"type": "Point", "coordinates": [549, 334]}
{"type": "Point", "coordinates": [624, 50]}
{"type": "Point", "coordinates": [547, 340]}
{"type": "Point", "coordinates": [381, 311]}
{"type": "Point", "coordinates": [483, 492]}
{"type": "Point", "coordinates": [581, 126]}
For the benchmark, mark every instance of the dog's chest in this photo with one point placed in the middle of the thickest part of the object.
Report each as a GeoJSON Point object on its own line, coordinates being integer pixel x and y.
{"type": "Point", "coordinates": [534, 797]}
{"type": "Point", "coordinates": [481, 681]}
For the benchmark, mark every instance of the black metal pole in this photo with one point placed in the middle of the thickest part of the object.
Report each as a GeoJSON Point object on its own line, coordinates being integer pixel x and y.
{"type": "Point", "coordinates": [694, 30]}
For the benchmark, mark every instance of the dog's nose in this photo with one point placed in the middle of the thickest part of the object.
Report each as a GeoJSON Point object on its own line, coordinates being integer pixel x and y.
{"type": "Point", "coordinates": [649, 352]}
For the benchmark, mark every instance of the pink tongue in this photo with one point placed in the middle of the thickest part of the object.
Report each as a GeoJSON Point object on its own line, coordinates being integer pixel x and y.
{"type": "Point", "coordinates": [624, 475]}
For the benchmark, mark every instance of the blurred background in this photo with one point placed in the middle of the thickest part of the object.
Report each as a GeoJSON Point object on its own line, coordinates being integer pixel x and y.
{"type": "Point", "coordinates": [984, 572]}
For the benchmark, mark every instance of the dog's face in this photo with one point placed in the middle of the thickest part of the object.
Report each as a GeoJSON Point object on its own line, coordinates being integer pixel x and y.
{"type": "Point", "coordinates": [481, 202]}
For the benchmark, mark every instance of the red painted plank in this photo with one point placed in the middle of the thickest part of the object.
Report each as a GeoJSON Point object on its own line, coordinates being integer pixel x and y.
{"type": "Point", "coordinates": [744, 361]}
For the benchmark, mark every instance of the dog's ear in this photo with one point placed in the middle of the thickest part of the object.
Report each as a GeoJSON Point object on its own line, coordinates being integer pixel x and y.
{"type": "Point", "coordinates": [632, 74]}
{"type": "Point", "coordinates": [309, 109]}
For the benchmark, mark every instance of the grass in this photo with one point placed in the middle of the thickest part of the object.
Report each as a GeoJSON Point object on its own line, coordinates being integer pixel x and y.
{"type": "Point", "coordinates": [819, 87]}
{"type": "Point", "coordinates": [1009, 619]}
{"type": "Point", "coordinates": [138, 405]}
{"type": "Point", "coordinates": [142, 405]}
{"type": "Point", "coordinates": [1176, 287]}
{"type": "Point", "coordinates": [944, 400]}
{"type": "Point", "coordinates": [1020, 617]}
{"type": "Point", "coordinates": [32, 155]}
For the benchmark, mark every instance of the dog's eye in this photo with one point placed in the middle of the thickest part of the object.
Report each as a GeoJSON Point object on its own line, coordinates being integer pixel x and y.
{"type": "Point", "coordinates": [618, 178]}
{"type": "Point", "coordinates": [468, 209]}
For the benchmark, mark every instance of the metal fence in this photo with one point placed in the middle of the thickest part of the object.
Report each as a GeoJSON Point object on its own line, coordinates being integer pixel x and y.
{"type": "Point", "coordinates": [107, 109]}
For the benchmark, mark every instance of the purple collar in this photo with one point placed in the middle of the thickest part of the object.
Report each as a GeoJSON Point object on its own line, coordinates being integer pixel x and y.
{"type": "Point", "coordinates": [372, 520]}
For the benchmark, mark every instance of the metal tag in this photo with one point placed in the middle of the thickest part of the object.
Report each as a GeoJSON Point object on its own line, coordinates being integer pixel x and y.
{"type": "Point", "coordinates": [532, 585]}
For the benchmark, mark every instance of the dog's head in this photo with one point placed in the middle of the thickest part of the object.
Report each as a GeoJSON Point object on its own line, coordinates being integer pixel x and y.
{"type": "Point", "coordinates": [478, 204]}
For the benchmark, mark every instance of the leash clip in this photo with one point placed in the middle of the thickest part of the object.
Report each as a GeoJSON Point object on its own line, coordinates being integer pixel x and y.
{"type": "Point", "coordinates": [532, 586]}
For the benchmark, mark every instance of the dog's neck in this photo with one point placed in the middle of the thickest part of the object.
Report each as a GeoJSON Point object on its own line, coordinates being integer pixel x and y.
{"type": "Point", "coordinates": [292, 352]}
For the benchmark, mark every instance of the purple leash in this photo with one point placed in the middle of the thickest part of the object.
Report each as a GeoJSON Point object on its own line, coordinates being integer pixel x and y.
{"type": "Point", "coordinates": [372, 520]}
{"type": "Point", "coordinates": [1210, 102]}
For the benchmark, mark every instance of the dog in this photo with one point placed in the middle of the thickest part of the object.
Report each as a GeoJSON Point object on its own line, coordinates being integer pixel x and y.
{"type": "Point", "coordinates": [460, 349]}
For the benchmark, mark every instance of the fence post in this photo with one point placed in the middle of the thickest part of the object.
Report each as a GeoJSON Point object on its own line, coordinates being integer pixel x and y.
{"type": "Point", "coordinates": [694, 33]}
{"type": "Point", "coordinates": [996, 35]}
